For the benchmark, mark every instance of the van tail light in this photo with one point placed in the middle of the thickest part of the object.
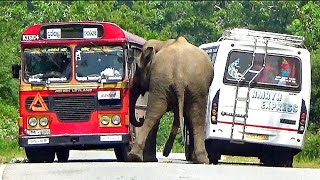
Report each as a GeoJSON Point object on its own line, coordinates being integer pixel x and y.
{"type": "Point", "coordinates": [214, 108]}
{"type": "Point", "coordinates": [303, 118]}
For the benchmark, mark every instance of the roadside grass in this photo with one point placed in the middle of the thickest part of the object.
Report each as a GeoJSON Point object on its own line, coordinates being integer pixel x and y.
{"type": "Point", "coordinates": [310, 164]}
{"type": "Point", "coordinates": [240, 159]}
{"type": "Point", "coordinates": [164, 132]}
{"type": "Point", "coordinates": [296, 164]}
{"type": "Point", "coordinates": [9, 151]}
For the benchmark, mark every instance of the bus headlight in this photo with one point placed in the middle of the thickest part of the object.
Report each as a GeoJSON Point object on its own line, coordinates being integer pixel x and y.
{"type": "Point", "coordinates": [32, 121]}
{"type": "Point", "coordinates": [43, 121]}
{"type": "Point", "coordinates": [105, 120]}
{"type": "Point", "coordinates": [116, 120]}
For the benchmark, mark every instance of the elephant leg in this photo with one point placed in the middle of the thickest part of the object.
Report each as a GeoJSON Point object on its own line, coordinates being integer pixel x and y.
{"type": "Point", "coordinates": [174, 131]}
{"type": "Point", "coordinates": [157, 106]}
{"type": "Point", "coordinates": [197, 122]}
{"type": "Point", "coordinates": [150, 150]}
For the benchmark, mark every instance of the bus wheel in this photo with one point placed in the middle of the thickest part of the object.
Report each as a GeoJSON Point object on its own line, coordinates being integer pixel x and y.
{"type": "Point", "coordinates": [277, 158]}
{"type": "Point", "coordinates": [62, 154]}
{"type": "Point", "coordinates": [121, 152]}
{"type": "Point", "coordinates": [214, 157]}
{"type": "Point", "coordinates": [213, 154]}
{"type": "Point", "coordinates": [188, 145]}
{"type": "Point", "coordinates": [40, 154]}
{"type": "Point", "coordinates": [284, 160]}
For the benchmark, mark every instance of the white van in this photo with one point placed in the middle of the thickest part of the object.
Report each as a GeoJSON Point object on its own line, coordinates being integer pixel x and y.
{"type": "Point", "coordinates": [259, 100]}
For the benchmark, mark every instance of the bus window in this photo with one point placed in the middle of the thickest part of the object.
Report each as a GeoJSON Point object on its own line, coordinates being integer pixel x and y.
{"type": "Point", "coordinates": [47, 63]}
{"type": "Point", "coordinates": [94, 63]}
{"type": "Point", "coordinates": [279, 70]}
{"type": "Point", "coordinates": [212, 52]}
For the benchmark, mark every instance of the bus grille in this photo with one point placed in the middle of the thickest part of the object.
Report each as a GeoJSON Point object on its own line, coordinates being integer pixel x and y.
{"type": "Point", "coordinates": [73, 108]}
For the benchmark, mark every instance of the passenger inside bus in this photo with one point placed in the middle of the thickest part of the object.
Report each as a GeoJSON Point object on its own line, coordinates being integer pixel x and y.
{"type": "Point", "coordinates": [278, 70]}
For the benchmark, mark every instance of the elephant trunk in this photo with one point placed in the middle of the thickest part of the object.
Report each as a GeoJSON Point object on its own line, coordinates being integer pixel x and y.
{"type": "Point", "coordinates": [132, 109]}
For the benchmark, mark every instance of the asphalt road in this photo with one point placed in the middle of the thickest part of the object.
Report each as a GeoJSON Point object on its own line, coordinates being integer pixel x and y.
{"type": "Point", "coordinates": [90, 165]}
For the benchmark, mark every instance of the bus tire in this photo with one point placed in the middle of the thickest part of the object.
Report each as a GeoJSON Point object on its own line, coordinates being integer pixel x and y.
{"type": "Point", "coordinates": [62, 154]}
{"type": "Point", "coordinates": [121, 152]}
{"type": "Point", "coordinates": [284, 160]}
{"type": "Point", "coordinates": [213, 157]}
{"type": "Point", "coordinates": [40, 154]}
{"type": "Point", "coordinates": [277, 157]}
{"type": "Point", "coordinates": [213, 154]}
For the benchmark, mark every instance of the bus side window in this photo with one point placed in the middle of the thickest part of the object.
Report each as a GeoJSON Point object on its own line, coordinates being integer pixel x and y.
{"type": "Point", "coordinates": [212, 52]}
{"type": "Point", "coordinates": [134, 53]}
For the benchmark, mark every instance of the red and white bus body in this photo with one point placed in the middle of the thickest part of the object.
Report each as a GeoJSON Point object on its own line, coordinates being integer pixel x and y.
{"type": "Point", "coordinates": [269, 119]}
{"type": "Point", "coordinates": [74, 88]}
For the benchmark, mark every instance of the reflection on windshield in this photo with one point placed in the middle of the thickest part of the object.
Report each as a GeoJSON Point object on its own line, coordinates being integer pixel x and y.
{"type": "Point", "coordinates": [50, 64]}
{"type": "Point", "coordinates": [95, 63]}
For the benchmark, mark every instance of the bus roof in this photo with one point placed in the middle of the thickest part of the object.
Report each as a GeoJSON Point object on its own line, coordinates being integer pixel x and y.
{"type": "Point", "coordinates": [79, 31]}
{"type": "Point", "coordinates": [242, 34]}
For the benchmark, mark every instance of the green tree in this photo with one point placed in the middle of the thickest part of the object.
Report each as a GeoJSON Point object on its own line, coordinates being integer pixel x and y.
{"type": "Point", "coordinates": [307, 25]}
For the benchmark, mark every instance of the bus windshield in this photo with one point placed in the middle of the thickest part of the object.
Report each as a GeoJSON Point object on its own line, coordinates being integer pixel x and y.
{"type": "Point", "coordinates": [279, 70]}
{"type": "Point", "coordinates": [95, 63]}
{"type": "Point", "coordinates": [50, 64]}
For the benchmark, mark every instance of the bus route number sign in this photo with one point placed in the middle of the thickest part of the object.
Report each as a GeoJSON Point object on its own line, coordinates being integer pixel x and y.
{"type": "Point", "coordinates": [53, 33]}
{"type": "Point", "coordinates": [90, 33]}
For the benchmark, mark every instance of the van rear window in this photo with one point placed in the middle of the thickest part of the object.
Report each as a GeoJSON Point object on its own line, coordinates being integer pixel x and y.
{"type": "Point", "coordinates": [281, 71]}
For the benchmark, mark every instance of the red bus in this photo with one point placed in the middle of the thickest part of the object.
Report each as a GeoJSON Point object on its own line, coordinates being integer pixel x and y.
{"type": "Point", "coordinates": [74, 88]}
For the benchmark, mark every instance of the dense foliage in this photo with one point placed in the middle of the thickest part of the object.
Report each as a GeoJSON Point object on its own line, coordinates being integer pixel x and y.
{"type": "Point", "coordinates": [200, 22]}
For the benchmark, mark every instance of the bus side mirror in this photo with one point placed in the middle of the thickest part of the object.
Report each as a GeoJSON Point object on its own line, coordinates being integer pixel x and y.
{"type": "Point", "coordinates": [15, 69]}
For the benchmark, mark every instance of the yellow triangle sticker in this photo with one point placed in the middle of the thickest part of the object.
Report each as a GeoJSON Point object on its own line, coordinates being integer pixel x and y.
{"type": "Point", "coordinates": [38, 104]}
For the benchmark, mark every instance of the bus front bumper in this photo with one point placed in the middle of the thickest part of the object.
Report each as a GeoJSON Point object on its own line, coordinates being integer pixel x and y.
{"type": "Point", "coordinates": [101, 140]}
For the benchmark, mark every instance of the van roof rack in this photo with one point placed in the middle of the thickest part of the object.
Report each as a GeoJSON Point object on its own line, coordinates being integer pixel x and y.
{"type": "Point", "coordinates": [249, 35]}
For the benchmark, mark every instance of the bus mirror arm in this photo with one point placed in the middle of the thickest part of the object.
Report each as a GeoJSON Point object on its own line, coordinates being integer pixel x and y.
{"type": "Point", "coordinates": [15, 69]}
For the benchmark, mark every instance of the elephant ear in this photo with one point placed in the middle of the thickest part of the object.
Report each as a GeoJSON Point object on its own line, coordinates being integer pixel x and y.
{"type": "Point", "coordinates": [147, 56]}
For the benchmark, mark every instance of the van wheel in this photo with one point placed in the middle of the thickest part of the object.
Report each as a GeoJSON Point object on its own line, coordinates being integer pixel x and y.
{"type": "Point", "coordinates": [121, 152]}
{"type": "Point", "coordinates": [40, 154]}
{"type": "Point", "coordinates": [62, 154]}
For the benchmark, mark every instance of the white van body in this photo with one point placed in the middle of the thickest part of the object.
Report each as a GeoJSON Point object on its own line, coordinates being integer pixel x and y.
{"type": "Point", "coordinates": [259, 100]}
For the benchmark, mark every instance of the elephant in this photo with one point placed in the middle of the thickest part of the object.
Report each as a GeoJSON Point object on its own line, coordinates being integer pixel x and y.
{"type": "Point", "coordinates": [177, 76]}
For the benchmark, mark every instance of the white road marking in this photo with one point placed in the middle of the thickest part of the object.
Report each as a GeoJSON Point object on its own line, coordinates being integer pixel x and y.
{"type": "Point", "coordinates": [2, 167]}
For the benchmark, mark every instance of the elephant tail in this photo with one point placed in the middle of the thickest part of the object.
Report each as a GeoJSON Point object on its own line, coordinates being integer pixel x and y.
{"type": "Point", "coordinates": [180, 111]}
